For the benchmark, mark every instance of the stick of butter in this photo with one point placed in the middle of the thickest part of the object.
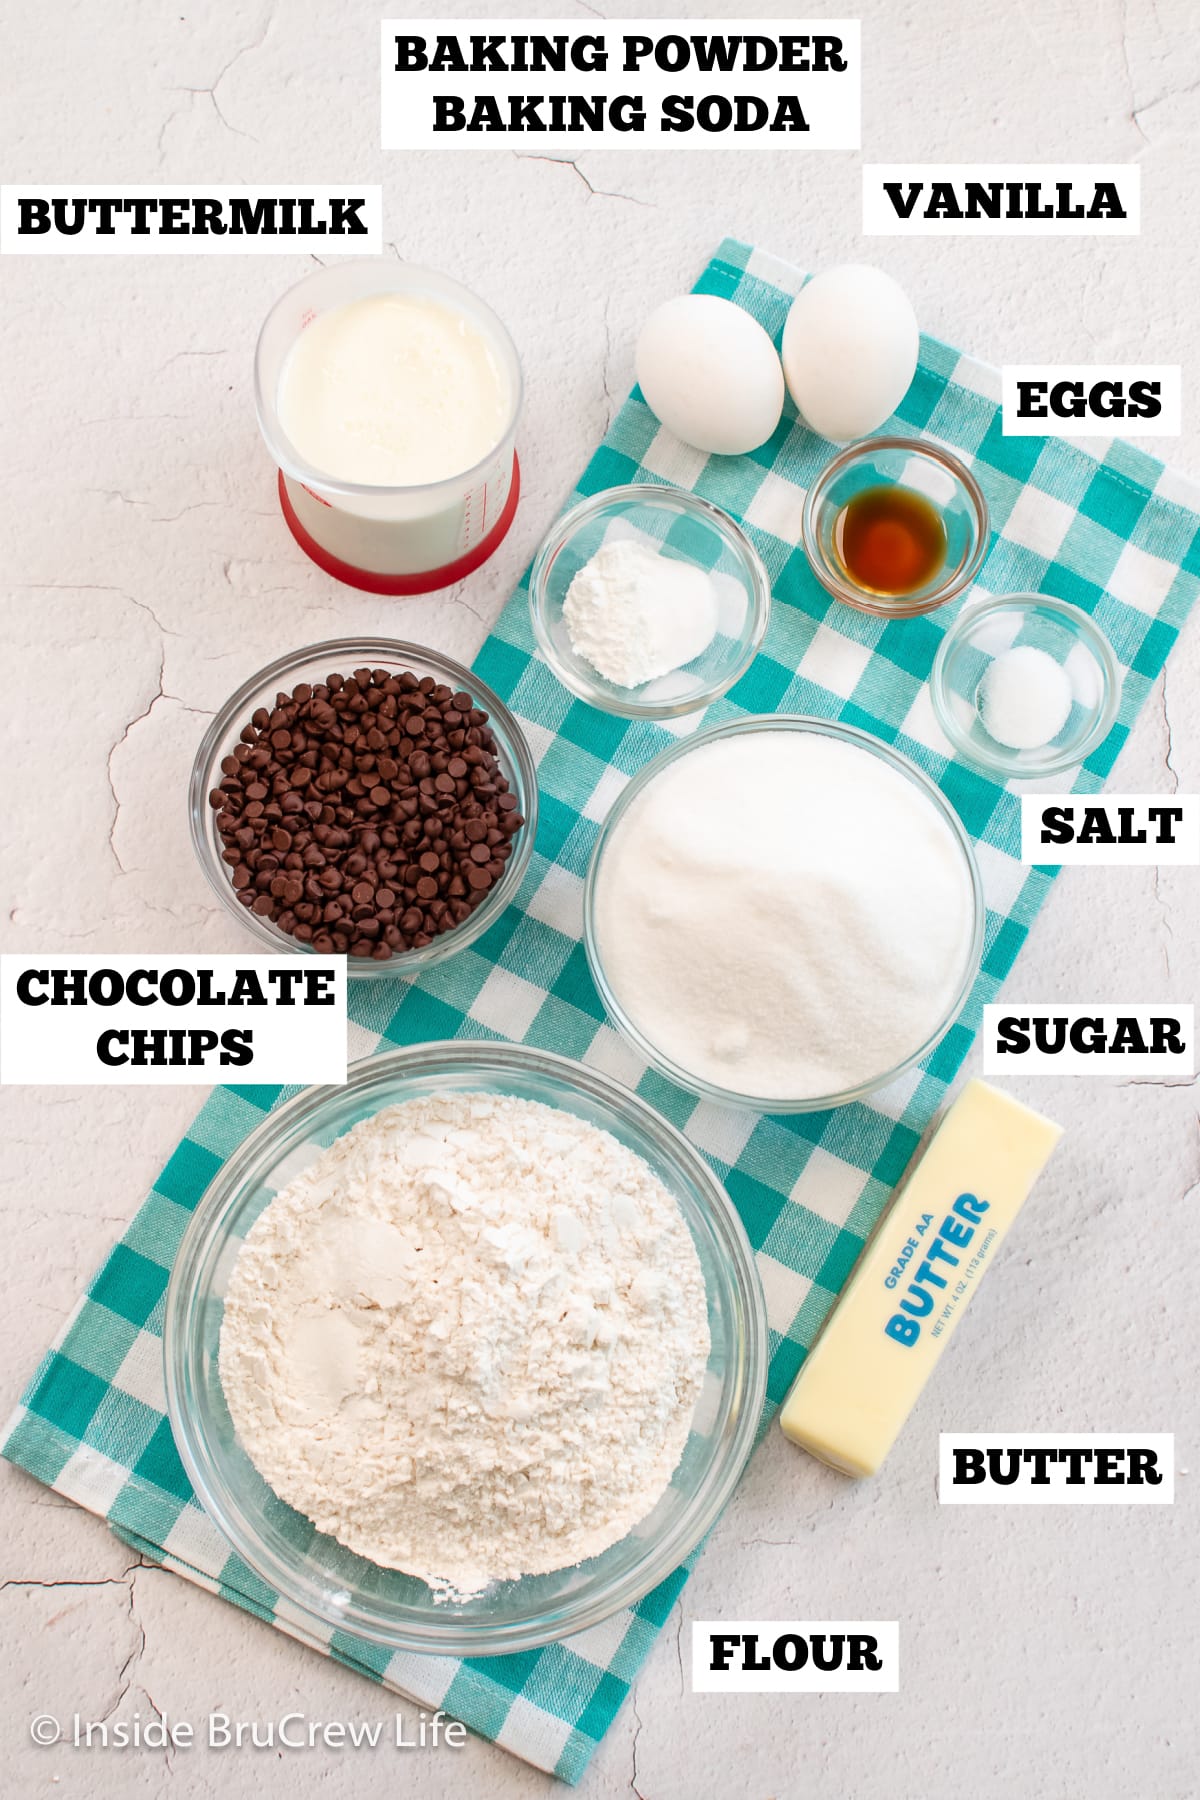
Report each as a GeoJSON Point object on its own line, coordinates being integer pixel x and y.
{"type": "Point", "coordinates": [911, 1285]}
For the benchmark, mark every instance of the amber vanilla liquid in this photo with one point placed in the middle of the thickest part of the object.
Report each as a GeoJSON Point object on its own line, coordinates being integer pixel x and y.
{"type": "Point", "coordinates": [890, 540]}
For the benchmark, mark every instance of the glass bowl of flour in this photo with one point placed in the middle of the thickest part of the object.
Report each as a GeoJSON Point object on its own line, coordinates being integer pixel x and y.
{"type": "Point", "coordinates": [783, 913]}
{"type": "Point", "coordinates": [483, 1313]}
{"type": "Point", "coordinates": [648, 601]}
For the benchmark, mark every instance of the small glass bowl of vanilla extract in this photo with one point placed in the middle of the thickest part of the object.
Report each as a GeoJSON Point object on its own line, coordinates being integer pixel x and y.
{"type": "Point", "coordinates": [895, 527]}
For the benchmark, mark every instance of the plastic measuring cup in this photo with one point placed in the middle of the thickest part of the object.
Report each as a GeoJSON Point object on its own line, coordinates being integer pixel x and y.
{"type": "Point", "coordinates": [389, 540]}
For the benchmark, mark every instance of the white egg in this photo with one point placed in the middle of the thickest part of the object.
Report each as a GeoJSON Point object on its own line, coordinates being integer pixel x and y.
{"type": "Point", "coordinates": [711, 374]}
{"type": "Point", "coordinates": [850, 350]}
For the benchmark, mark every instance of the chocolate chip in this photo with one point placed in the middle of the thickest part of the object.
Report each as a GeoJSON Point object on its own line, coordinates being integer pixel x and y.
{"type": "Point", "coordinates": [366, 814]}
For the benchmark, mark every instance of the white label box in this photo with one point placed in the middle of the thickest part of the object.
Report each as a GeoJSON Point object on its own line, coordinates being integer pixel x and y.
{"type": "Point", "coordinates": [1001, 199]}
{"type": "Point", "coordinates": [1056, 1468]}
{"type": "Point", "coordinates": [554, 86]}
{"type": "Point", "coordinates": [86, 218]}
{"type": "Point", "coordinates": [785, 1656]}
{"type": "Point", "coordinates": [1058, 830]}
{"type": "Point", "coordinates": [1069, 400]}
{"type": "Point", "coordinates": [172, 1020]}
{"type": "Point", "coordinates": [1104, 1038]}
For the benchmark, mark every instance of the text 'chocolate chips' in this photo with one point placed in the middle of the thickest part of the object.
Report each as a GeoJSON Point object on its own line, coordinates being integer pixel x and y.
{"type": "Point", "coordinates": [367, 814]}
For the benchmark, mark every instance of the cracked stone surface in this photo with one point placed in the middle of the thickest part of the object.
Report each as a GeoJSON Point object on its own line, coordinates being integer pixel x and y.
{"type": "Point", "coordinates": [147, 572]}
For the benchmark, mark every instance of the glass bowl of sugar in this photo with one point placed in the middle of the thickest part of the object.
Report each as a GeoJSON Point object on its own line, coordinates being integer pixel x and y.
{"type": "Point", "coordinates": [647, 601]}
{"type": "Point", "coordinates": [1025, 686]}
{"type": "Point", "coordinates": [783, 913]}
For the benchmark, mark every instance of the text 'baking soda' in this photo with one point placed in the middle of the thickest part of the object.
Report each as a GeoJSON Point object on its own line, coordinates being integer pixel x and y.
{"type": "Point", "coordinates": [636, 79]}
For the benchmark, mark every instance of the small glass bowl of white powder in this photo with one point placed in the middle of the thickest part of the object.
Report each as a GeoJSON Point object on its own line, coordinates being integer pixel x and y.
{"type": "Point", "coordinates": [464, 1315]}
{"type": "Point", "coordinates": [1025, 686]}
{"type": "Point", "coordinates": [648, 601]}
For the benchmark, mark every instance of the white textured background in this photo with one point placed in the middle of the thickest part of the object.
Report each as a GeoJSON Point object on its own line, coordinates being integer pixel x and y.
{"type": "Point", "coordinates": [146, 572]}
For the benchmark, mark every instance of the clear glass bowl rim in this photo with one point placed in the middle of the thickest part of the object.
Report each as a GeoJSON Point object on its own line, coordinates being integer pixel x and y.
{"type": "Point", "coordinates": [849, 734]}
{"type": "Point", "coordinates": [1086, 629]}
{"type": "Point", "coordinates": [902, 605]}
{"type": "Point", "coordinates": [357, 653]}
{"type": "Point", "coordinates": [748, 1369]}
{"type": "Point", "coordinates": [650, 494]}
{"type": "Point", "coordinates": [398, 278]}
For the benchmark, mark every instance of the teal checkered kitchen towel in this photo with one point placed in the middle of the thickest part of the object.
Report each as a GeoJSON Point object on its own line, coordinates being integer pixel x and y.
{"type": "Point", "coordinates": [1114, 532]}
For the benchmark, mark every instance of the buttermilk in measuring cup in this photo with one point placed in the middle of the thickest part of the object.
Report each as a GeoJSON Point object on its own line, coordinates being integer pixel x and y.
{"type": "Point", "coordinates": [394, 390]}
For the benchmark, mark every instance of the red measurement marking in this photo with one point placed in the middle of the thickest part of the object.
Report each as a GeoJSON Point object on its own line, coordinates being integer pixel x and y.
{"type": "Point", "coordinates": [423, 583]}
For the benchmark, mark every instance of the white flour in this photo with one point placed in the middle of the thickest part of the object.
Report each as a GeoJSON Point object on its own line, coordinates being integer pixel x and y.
{"type": "Point", "coordinates": [635, 614]}
{"type": "Point", "coordinates": [468, 1340]}
{"type": "Point", "coordinates": [783, 914]}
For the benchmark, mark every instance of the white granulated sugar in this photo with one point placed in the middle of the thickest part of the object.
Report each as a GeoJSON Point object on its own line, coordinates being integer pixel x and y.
{"type": "Point", "coordinates": [1024, 698]}
{"type": "Point", "coordinates": [467, 1342]}
{"type": "Point", "coordinates": [635, 614]}
{"type": "Point", "coordinates": [783, 914]}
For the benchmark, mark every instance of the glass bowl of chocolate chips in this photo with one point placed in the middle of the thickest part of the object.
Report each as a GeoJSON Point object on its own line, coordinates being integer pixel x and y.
{"type": "Point", "coordinates": [364, 797]}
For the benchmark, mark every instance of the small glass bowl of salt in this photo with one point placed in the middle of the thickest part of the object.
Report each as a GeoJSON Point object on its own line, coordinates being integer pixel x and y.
{"type": "Point", "coordinates": [648, 601]}
{"type": "Point", "coordinates": [1025, 686]}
